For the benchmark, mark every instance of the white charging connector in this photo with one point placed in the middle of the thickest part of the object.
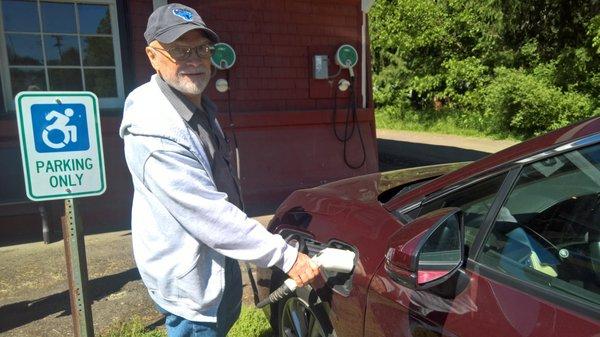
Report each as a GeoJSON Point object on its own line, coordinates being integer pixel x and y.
{"type": "Point", "coordinates": [330, 259]}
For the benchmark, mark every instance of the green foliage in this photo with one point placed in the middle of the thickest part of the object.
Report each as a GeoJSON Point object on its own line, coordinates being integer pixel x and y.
{"type": "Point", "coordinates": [518, 67]}
{"type": "Point", "coordinates": [593, 30]}
{"type": "Point", "coordinates": [462, 76]}
{"type": "Point", "coordinates": [252, 323]}
{"type": "Point", "coordinates": [523, 103]}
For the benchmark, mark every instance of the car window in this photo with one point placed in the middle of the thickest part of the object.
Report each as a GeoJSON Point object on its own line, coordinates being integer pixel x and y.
{"type": "Point", "coordinates": [475, 200]}
{"type": "Point", "coordinates": [548, 231]}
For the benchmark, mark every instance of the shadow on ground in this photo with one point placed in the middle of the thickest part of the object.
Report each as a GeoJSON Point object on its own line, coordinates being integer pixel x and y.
{"type": "Point", "coordinates": [21, 313]}
{"type": "Point", "coordinates": [394, 155]}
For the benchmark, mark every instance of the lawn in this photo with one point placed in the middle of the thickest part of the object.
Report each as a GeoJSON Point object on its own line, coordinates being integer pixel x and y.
{"type": "Point", "coordinates": [252, 323]}
{"type": "Point", "coordinates": [447, 125]}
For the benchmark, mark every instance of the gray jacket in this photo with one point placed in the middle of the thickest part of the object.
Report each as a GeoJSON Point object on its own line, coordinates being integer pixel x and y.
{"type": "Point", "coordinates": [182, 227]}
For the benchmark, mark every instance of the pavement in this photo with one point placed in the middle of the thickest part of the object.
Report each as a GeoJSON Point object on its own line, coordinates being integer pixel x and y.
{"type": "Point", "coordinates": [34, 299]}
{"type": "Point", "coordinates": [461, 142]}
{"type": "Point", "coordinates": [403, 149]}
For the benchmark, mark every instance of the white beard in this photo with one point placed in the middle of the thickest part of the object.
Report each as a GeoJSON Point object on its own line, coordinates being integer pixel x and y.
{"type": "Point", "coordinates": [187, 86]}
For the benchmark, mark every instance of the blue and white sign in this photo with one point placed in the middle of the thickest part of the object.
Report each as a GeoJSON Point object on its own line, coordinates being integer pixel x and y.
{"type": "Point", "coordinates": [61, 144]}
{"type": "Point", "coordinates": [59, 127]}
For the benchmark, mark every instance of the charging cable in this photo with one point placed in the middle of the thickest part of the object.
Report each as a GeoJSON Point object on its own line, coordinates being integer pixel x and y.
{"type": "Point", "coordinates": [350, 111]}
{"type": "Point", "coordinates": [330, 259]}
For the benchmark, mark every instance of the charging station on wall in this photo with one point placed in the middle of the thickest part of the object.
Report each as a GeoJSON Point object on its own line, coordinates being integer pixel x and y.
{"type": "Point", "coordinates": [341, 84]}
{"type": "Point", "coordinates": [223, 59]}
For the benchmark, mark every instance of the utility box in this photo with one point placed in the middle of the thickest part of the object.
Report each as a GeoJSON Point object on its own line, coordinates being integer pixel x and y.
{"type": "Point", "coordinates": [321, 69]}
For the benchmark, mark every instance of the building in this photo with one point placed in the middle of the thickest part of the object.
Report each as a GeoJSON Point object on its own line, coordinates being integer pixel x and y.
{"type": "Point", "coordinates": [281, 112]}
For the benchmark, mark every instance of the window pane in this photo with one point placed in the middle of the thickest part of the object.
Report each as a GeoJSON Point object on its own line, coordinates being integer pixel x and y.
{"type": "Point", "coordinates": [98, 51]}
{"type": "Point", "coordinates": [23, 79]}
{"type": "Point", "coordinates": [548, 231]}
{"type": "Point", "coordinates": [65, 79]}
{"type": "Point", "coordinates": [102, 82]}
{"type": "Point", "coordinates": [58, 17]}
{"type": "Point", "coordinates": [475, 201]}
{"type": "Point", "coordinates": [441, 251]}
{"type": "Point", "coordinates": [94, 19]}
{"type": "Point", "coordinates": [20, 16]}
{"type": "Point", "coordinates": [24, 49]}
{"type": "Point", "coordinates": [61, 50]}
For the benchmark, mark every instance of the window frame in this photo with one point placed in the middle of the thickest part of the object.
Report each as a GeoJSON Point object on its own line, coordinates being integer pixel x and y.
{"type": "Point", "coordinates": [105, 103]}
{"type": "Point", "coordinates": [511, 173]}
{"type": "Point", "coordinates": [562, 301]}
{"type": "Point", "coordinates": [534, 289]}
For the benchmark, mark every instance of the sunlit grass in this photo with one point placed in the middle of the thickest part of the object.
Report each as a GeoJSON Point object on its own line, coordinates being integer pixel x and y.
{"type": "Point", "coordinates": [446, 125]}
{"type": "Point", "coordinates": [134, 328]}
{"type": "Point", "coordinates": [252, 323]}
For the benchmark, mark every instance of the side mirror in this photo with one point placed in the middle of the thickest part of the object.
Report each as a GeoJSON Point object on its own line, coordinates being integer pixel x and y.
{"type": "Point", "coordinates": [428, 251]}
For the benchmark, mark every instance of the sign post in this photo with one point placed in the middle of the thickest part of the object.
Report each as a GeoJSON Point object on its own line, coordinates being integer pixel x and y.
{"type": "Point", "coordinates": [62, 155]}
{"type": "Point", "coordinates": [81, 309]}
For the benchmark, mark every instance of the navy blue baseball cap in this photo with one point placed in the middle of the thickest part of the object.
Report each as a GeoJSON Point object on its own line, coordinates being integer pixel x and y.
{"type": "Point", "coordinates": [167, 23]}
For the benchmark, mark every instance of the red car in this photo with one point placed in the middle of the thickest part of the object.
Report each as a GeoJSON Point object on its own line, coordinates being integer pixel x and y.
{"type": "Point", "coordinates": [505, 246]}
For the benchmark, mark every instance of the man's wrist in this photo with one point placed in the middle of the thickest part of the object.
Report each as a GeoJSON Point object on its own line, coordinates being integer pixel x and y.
{"type": "Point", "coordinates": [290, 254]}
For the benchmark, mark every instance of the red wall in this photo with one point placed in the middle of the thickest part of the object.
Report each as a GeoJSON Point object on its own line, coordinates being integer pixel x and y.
{"type": "Point", "coordinates": [283, 117]}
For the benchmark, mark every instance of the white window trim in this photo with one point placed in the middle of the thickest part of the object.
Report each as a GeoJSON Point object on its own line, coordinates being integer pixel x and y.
{"type": "Point", "coordinates": [106, 103]}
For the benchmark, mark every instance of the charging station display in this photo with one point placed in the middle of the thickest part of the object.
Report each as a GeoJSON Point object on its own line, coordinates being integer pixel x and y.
{"type": "Point", "coordinates": [346, 56]}
{"type": "Point", "coordinates": [223, 56]}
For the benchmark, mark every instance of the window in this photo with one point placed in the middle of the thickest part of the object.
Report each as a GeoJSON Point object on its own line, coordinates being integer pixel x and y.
{"type": "Point", "coordinates": [61, 46]}
{"type": "Point", "coordinates": [475, 200]}
{"type": "Point", "coordinates": [549, 234]}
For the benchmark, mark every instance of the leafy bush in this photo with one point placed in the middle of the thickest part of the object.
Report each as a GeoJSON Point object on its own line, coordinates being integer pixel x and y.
{"type": "Point", "coordinates": [519, 67]}
{"type": "Point", "coordinates": [524, 104]}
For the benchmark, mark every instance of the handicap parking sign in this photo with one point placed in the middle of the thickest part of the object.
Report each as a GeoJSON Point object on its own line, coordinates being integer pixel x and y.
{"type": "Point", "coordinates": [59, 127]}
{"type": "Point", "coordinates": [61, 144]}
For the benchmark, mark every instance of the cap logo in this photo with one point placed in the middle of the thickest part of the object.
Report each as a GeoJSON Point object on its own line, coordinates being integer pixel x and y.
{"type": "Point", "coordinates": [183, 13]}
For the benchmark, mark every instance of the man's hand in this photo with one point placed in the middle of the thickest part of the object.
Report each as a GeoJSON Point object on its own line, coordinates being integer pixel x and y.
{"type": "Point", "coordinates": [304, 270]}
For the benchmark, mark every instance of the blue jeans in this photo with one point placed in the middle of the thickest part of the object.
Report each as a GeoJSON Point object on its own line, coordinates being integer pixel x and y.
{"type": "Point", "coordinates": [228, 313]}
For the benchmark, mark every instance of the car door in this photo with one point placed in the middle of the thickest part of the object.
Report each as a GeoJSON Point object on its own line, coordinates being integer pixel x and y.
{"type": "Point", "coordinates": [533, 236]}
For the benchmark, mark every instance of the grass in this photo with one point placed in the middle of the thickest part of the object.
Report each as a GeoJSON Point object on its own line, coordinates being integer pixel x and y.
{"type": "Point", "coordinates": [134, 328]}
{"type": "Point", "coordinates": [252, 323]}
{"type": "Point", "coordinates": [445, 125]}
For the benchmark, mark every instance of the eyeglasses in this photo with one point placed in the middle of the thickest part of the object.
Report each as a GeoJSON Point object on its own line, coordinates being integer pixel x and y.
{"type": "Point", "coordinates": [183, 53]}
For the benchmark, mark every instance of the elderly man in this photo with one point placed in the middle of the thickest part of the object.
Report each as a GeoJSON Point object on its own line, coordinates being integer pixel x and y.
{"type": "Point", "coordinates": [188, 228]}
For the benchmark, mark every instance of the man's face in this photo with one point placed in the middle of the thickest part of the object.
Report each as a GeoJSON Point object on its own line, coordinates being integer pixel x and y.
{"type": "Point", "coordinates": [189, 76]}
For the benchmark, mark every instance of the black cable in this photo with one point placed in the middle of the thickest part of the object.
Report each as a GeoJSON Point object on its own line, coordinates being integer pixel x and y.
{"type": "Point", "coordinates": [231, 124]}
{"type": "Point", "coordinates": [235, 143]}
{"type": "Point", "coordinates": [334, 117]}
{"type": "Point", "coordinates": [351, 110]}
{"type": "Point", "coordinates": [282, 292]}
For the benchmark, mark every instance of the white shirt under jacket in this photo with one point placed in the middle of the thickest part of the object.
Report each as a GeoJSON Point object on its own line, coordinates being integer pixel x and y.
{"type": "Point", "coordinates": [182, 227]}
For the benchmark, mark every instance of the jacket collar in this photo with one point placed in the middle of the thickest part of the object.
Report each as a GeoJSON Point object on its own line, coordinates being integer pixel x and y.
{"type": "Point", "coordinates": [182, 104]}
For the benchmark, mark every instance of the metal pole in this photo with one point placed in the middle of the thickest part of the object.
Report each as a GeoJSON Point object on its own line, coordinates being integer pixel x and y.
{"type": "Point", "coordinates": [45, 228]}
{"type": "Point", "coordinates": [81, 310]}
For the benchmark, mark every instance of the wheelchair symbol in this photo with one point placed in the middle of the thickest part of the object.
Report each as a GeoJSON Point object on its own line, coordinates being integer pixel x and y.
{"type": "Point", "coordinates": [60, 127]}
{"type": "Point", "coordinates": [69, 132]}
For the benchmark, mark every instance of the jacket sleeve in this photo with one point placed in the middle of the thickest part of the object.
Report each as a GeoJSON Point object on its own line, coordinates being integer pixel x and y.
{"type": "Point", "coordinates": [182, 185]}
